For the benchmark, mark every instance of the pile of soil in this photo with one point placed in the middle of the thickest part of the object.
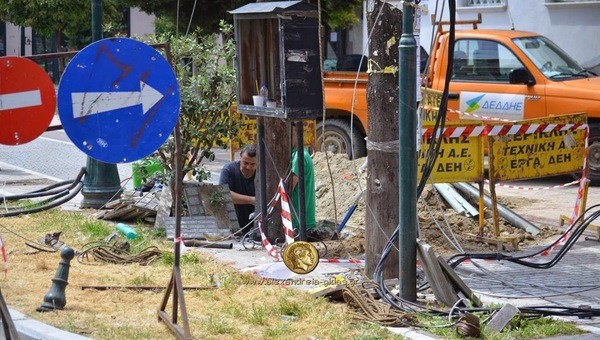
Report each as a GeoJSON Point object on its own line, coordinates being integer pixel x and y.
{"type": "Point", "coordinates": [438, 221]}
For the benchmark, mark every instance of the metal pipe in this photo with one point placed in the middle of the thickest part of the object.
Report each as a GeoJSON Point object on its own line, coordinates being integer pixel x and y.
{"type": "Point", "coordinates": [505, 212]}
{"type": "Point", "coordinates": [301, 183]}
{"type": "Point", "coordinates": [206, 244]}
{"type": "Point", "coordinates": [456, 201]}
{"type": "Point", "coordinates": [262, 174]}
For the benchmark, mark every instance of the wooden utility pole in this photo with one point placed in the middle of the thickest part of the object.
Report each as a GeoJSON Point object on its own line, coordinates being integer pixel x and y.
{"type": "Point", "coordinates": [382, 104]}
{"type": "Point", "coordinates": [277, 159]}
{"type": "Point", "coordinates": [278, 154]}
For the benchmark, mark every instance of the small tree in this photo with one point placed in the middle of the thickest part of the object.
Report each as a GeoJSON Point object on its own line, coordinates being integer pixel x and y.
{"type": "Point", "coordinates": [204, 68]}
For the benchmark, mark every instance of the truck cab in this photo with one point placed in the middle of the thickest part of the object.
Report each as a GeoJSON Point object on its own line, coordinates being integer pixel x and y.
{"type": "Point", "coordinates": [516, 75]}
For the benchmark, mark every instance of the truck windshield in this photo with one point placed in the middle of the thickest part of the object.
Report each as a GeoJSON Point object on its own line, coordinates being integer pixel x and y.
{"type": "Point", "coordinates": [554, 63]}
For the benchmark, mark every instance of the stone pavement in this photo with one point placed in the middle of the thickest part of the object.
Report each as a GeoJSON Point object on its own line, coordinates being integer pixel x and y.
{"type": "Point", "coordinates": [573, 282]}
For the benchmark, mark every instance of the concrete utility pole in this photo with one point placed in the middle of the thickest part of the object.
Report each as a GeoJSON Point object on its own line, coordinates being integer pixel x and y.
{"type": "Point", "coordinates": [101, 183]}
{"type": "Point", "coordinates": [407, 137]}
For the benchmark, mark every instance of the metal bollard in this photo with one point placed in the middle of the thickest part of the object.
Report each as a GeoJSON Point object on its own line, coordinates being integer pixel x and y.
{"type": "Point", "coordinates": [55, 298]}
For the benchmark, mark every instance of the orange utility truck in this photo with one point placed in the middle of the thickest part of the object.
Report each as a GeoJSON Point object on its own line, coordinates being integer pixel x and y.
{"type": "Point", "coordinates": [506, 74]}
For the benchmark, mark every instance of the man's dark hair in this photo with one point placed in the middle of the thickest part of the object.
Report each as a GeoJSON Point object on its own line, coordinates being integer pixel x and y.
{"type": "Point", "coordinates": [249, 149]}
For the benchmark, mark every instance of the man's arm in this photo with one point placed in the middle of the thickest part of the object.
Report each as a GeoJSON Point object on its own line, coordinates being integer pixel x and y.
{"type": "Point", "coordinates": [241, 199]}
{"type": "Point", "coordinates": [295, 169]}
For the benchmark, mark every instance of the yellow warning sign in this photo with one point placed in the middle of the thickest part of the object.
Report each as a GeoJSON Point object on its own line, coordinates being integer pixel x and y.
{"type": "Point", "coordinates": [460, 159]}
{"type": "Point", "coordinates": [525, 156]}
{"type": "Point", "coordinates": [430, 105]}
{"type": "Point", "coordinates": [247, 132]}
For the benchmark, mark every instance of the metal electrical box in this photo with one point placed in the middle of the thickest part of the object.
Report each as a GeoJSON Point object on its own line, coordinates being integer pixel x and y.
{"type": "Point", "coordinates": [277, 44]}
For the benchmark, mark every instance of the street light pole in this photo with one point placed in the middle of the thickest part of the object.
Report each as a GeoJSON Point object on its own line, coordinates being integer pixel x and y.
{"type": "Point", "coordinates": [101, 183]}
{"type": "Point", "coordinates": [407, 136]}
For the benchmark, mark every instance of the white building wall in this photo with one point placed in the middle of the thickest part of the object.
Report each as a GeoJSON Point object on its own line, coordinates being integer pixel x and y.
{"type": "Point", "coordinates": [574, 27]}
{"type": "Point", "coordinates": [142, 24]}
{"type": "Point", "coordinates": [13, 39]}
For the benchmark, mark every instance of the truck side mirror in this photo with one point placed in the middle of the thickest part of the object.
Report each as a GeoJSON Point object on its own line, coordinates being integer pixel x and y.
{"type": "Point", "coordinates": [521, 76]}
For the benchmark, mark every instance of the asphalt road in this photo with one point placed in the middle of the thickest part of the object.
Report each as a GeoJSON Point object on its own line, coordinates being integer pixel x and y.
{"type": "Point", "coordinates": [55, 156]}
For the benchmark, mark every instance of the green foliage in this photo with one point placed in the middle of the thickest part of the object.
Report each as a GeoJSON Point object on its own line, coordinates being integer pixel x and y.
{"type": "Point", "coordinates": [58, 17]}
{"type": "Point", "coordinates": [204, 68]}
{"type": "Point", "coordinates": [217, 197]}
{"type": "Point", "coordinates": [206, 15]}
{"type": "Point", "coordinates": [337, 14]}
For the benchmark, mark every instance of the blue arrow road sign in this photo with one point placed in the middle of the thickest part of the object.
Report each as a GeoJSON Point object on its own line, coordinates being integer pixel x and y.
{"type": "Point", "coordinates": [118, 100]}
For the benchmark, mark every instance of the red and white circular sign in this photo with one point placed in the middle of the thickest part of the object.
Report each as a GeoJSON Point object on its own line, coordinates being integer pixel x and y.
{"type": "Point", "coordinates": [27, 100]}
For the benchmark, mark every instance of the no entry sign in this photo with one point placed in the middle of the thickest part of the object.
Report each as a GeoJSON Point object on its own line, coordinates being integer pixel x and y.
{"type": "Point", "coordinates": [27, 100]}
{"type": "Point", "coordinates": [118, 100]}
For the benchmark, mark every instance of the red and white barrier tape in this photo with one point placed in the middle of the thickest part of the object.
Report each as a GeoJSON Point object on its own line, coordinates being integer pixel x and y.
{"type": "Point", "coordinates": [355, 261]}
{"type": "Point", "coordinates": [518, 187]}
{"type": "Point", "coordinates": [286, 218]}
{"type": "Point", "coordinates": [267, 245]}
{"type": "Point", "coordinates": [500, 130]}
{"type": "Point", "coordinates": [286, 215]}
{"type": "Point", "coordinates": [4, 257]}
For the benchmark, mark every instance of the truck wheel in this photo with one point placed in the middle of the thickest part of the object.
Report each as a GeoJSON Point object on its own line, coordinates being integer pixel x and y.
{"type": "Point", "coordinates": [594, 154]}
{"type": "Point", "coordinates": [337, 136]}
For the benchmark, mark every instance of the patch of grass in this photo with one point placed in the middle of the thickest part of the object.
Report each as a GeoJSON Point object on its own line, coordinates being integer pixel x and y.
{"type": "Point", "coordinates": [289, 307]}
{"type": "Point", "coordinates": [516, 329]}
{"type": "Point", "coordinates": [159, 233]}
{"type": "Point", "coordinates": [95, 229]}
{"type": "Point", "coordinates": [259, 315]}
{"type": "Point", "coordinates": [541, 328]}
{"type": "Point", "coordinates": [233, 308]}
{"type": "Point", "coordinates": [189, 258]}
{"type": "Point", "coordinates": [281, 330]}
{"type": "Point", "coordinates": [141, 280]}
{"type": "Point", "coordinates": [168, 259]}
{"type": "Point", "coordinates": [368, 331]}
{"type": "Point", "coordinates": [217, 325]}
